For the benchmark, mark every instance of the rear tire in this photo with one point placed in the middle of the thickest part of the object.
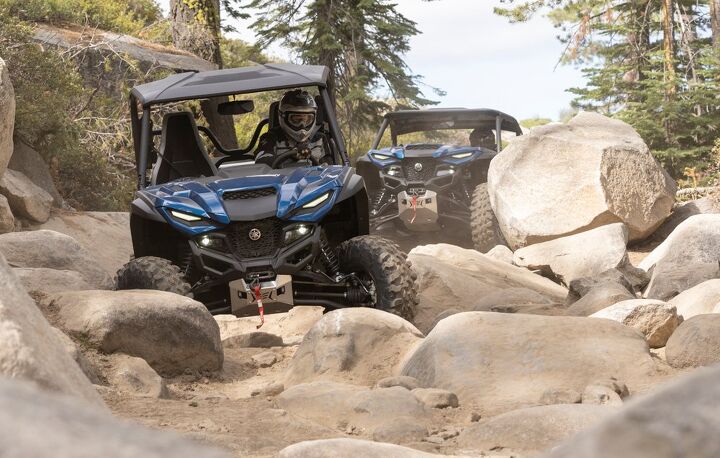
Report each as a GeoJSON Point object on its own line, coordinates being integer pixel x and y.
{"type": "Point", "coordinates": [149, 272]}
{"type": "Point", "coordinates": [391, 272]}
{"type": "Point", "coordinates": [485, 228]}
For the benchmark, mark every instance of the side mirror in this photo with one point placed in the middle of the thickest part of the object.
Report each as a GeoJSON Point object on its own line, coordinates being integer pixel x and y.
{"type": "Point", "coordinates": [236, 107]}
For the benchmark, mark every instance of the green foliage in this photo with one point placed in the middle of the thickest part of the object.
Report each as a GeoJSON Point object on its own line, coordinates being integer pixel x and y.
{"type": "Point", "coordinates": [534, 122]}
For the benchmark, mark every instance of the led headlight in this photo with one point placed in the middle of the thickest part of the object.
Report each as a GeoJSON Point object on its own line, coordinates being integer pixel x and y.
{"type": "Point", "coordinates": [211, 242]}
{"type": "Point", "coordinates": [461, 155]}
{"type": "Point", "coordinates": [297, 232]}
{"type": "Point", "coordinates": [314, 203]}
{"type": "Point", "coordinates": [185, 216]}
{"type": "Point", "coordinates": [381, 157]}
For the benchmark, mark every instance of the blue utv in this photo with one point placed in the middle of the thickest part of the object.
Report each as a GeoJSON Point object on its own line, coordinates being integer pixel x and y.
{"type": "Point", "coordinates": [430, 176]}
{"type": "Point", "coordinates": [239, 234]}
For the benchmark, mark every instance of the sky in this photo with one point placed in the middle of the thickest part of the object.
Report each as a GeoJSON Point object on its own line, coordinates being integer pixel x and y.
{"type": "Point", "coordinates": [479, 59]}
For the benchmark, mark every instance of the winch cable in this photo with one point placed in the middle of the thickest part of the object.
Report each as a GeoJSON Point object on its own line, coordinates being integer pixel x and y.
{"type": "Point", "coordinates": [258, 298]}
{"type": "Point", "coordinates": [414, 208]}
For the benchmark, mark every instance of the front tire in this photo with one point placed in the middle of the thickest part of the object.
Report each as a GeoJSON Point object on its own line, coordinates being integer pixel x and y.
{"type": "Point", "coordinates": [150, 272]}
{"type": "Point", "coordinates": [391, 273]}
{"type": "Point", "coordinates": [485, 228]}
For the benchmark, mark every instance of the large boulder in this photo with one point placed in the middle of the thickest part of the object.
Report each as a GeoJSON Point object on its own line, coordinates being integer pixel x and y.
{"type": "Point", "coordinates": [49, 281]}
{"type": "Point", "coordinates": [598, 298]}
{"type": "Point", "coordinates": [29, 162]}
{"type": "Point", "coordinates": [679, 420]}
{"type": "Point", "coordinates": [53, 250]}
{"type": "Point", "coordinates": [291, 326]}
{"type": "Point", "coordinates": [34, 423]}
{"type": "Point", "coordinates": [698, 300]}
{"type": "Point", "coordinates": [531, 430]}
{"type": "Point", "coordinates": [26, 199]}
{"type": "Point", "coordinates": [685, 259]}
{"type": "Point", "coordinates": [577, 256]}
{"type": "Point", "coordinates": [7, 117]}
{"type": "Point", "coordinates": [174, 334]}
{"type": "Point", "coordinates": [357, 345]}
{"type": "Point", "coordinates": [31, 349]}
{"type": "Point", "coordinates": [695, 343]}
{"type": "Point", "coordinates": [681, 212]}
{"type": "Point", "coordinates": [503, 361]}
{"type": "Point", "coordinates": [104, 234]}
{"type": "Point", "coordinates": [453, 278]}
{"type": "Point", "coordinates": [656, 320]}
{"type": "Point", "coordinates": [567, 178]}
{"type": "Point", "coordinates": [332, 448]}
{"type": "Point", "coordinates": [134, 376]}
{"type": "Point", "coordinates": [7, 219]}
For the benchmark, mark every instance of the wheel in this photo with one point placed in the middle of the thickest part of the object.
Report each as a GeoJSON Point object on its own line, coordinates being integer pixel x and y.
{"type": "Point", "coordinates": [484, 225]}
{"type": "Point", "coordinates": [149, 272]}
{"type": "Point", "coordinates": [384, 271]}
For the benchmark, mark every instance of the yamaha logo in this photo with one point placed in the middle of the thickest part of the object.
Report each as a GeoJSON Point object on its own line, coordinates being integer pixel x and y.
{"type": "Point", "coordinates": [255, 235]}
{"type": "Point", "coordinates": [418, 167]}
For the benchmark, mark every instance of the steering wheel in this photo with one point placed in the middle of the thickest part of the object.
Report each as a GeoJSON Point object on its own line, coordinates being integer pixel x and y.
{"type": "Point", "coordinates": [280, 158]}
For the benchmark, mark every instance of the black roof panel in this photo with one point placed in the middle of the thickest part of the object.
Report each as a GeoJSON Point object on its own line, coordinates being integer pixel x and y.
{"type": "Point", "coordinates": [198, 85]}
{"type": "Point", "coordinates": [408, 121]}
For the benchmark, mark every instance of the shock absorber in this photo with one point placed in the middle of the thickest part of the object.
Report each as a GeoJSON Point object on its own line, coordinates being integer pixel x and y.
{"type": "Point", "coordinates": [378, 201]}
{"type": "Point", "coordinates": [328, 256]}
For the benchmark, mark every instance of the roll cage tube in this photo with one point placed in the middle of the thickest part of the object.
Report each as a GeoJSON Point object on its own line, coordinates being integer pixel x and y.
{"type": "Point", "coordinates": [330, 117]}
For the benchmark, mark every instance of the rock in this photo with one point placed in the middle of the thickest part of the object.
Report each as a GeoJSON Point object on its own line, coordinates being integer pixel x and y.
{"type": "Point", "coordinates": [500, 362]}
{"type": "Point", "coordinates": [501, 253]}
{"type": "Point", "coordinates": [291, 326]}
{"type": "Point", "coordinates": [586, 254]}
{"type": "Point", "coordinates": [436, 398]}
{"type": "Point", "coordinates": [601, 395]}
{"type": "Point", "coordinates": [104, 234]}
{"type": "Point", "coordinates": [656, 320]}
{"type": "Point", "coordinates": [334, 404]}
{"type": "Point", "coordinates": [553, 396]}
{"type": "Point", "coordinates": [695, 343]}
{"type": "Point", "coordinates": [49, 281]}
{"type": "Point", "coordinates": [531, 430]}
{"type": "Point", "coordinates": [582, 286]}
{"type": "Point", "coordinates": [264, 359]}
{"type": "Point", "coordinates": [615, 385]}
{"type": "Point", "coordinates": [271, 389]}
{"type": "Point", "coordinates": [599, 298]}
{"type": "Point", "coordinates": [688, 257]}
{"type": "Point", "coordinates": [172, 333]}
{"type": "Point", "coordinates": [253, 340]}
{"type": "Point", "coordinates": [450, 277]}
{"type": "Point", "coordinates": [31, 349]}
{"type": "Point", "coordinates": [678, 420]}
{"type": "Point", "coordinates": [34, 423]}
{"type": "Point", "coordinates": [29, 162]}
{"type": "Point", "coordinates": [52, 250]}
{"type": "Point", "coordinates": [7, 220]}
{"type": "Point", "coordinates": [698, 300]}
{"type": "Point", "coordinates": [7, 117]}
{"type": "Point", "coordinates": [681, 212]}
{"type": "Point", "coordinates": [134, 376]}
{"type": "Point", "coordinates": [608, 176]}
{"type": "Point", "coordinates": [409, 383]}
{"type": "Point", "coordinates": [25, 198]}
{"type": "Point", "coordinates": [344, 447]}
{"type": "Point", "coordinates": [400, 431]}
{"type": "Point", "coordinates": [358, 345]}
{"type": "Point", "coordinates": [77, 356]}
{"type": "Point", "coordinates": [512, 300]}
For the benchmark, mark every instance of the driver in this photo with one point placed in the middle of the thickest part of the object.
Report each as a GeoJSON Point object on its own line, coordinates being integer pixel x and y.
{"type": "Point", "coordinates": [483, 138]}
{"type": "Point", "coordinates": [297, 136]}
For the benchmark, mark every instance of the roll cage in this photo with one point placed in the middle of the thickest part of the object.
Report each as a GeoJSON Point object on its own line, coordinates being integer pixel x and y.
{"type": "Point", "coordinates": [222, 83]}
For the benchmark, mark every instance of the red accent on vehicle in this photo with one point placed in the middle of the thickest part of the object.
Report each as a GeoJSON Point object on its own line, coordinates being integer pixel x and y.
{"type": "Point", "coordinates": [414, 208]}
{"type": "Point", "coordinates": [258, 298]}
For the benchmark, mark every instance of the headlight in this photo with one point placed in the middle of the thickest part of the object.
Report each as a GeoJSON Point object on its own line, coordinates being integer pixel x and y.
{"type": "Point", "coordinates": [394, 171]}
{"type": "Point", "coordinates": [381, 157]}
{"type": "Point", "coordinates": [297, 232]}
{"type": "Point", "coordinates": [461, 155]}
{"type": "Point", "coordinates": [185, 216]}
{"type": "Point", "coordinates": [318, 201]}
{"type": "Point", "coordinates": [212, 242]}
{"type": "Point", "coordinates": [445, 172]}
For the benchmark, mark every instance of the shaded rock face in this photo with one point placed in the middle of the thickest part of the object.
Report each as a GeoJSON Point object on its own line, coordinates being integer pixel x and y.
{"type": "Point", "coordinates": [656, 320]}
{"type": "Point", "coordinates": [695, 343]}
{"type": "Point", "coordinates": [564, 179]}
{"type": "Point", "coordinates": [174, 334]}
{"type": "Point", "coordinates": [598, 298]}
{"type": "Point", "coordinates": [7, 219]}
{"type": "Point", "coordinates": [134, 376]}
{"type": "Point", "coordinates": [31, 349]}
{"type": "Point", "coordinates": [587, 254]}
{"type": "Point", "coordinates": [36, 423]}
{"type": "Point", "coordinates": [29, 162]}
{"type": "Point", "coordinates": [358, 345]}
{"type": "Point", "coordinates": [678, 420]}
{"type": "Point", "coordinates": [685, 259]}
{"type": "Point", "coordinates": [7, 117]}
{"type": "Point", "coordinates": [531, 430]}
{"type": "Point", "coordinates": [476, 356]}
{"type": "Point", "coordinates": [52, 250]}
{"type": "Point", "coordinates": [681, 212]}
{"type": "Point", "coordinates": [698, 300]}
{"type": "Point", "coordinates": [25, 198]}
{"type": "Point", "coordinates": [333, 448]}
{"type": "Point", "coordinates": [453, 278]}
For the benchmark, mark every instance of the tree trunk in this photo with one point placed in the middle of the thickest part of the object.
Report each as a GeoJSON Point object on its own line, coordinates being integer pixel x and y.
{"type": "Point", "coordinates": [668, 9]}
{"type": "Point", "coordinates": [715, 22]}
{"type": "Point", "coordinates": [196, 28]}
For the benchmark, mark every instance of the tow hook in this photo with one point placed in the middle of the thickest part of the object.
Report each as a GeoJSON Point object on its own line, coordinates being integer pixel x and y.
{"type": "Point", "coordinates": [414, 208]}
{"type": "Point", "coordinates": [255, 286]}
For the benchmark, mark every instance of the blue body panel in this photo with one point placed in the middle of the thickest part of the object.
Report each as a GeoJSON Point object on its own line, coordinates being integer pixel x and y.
{"type": "Point", "coordinates": [203, 197]}
{"type": "Point", "coordinates": [444, 153]}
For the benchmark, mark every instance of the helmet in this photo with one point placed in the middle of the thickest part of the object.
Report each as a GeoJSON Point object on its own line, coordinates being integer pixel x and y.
{"type": "Point", "coordinates": [298, 111]}
{"type": "Point", "coordinates": [484, 138]}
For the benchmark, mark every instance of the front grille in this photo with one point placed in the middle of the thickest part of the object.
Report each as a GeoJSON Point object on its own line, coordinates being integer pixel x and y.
{"type": "Point", "coordinates": [270, 241]}
{"type": "Point", "coordinates": [426, 173]}
{"type": "Point", "coordinates": [248, 194]}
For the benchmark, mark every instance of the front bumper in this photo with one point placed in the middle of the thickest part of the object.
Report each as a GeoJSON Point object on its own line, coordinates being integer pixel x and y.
{"type": "Point", "coordinates": [243, 298]}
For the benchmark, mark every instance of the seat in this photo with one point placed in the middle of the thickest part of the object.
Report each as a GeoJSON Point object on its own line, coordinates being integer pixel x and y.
{"type": "Point", "coordinates": [182, 153]}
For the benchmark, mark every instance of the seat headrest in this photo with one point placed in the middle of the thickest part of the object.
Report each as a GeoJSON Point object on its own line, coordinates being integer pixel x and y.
{"type": "Point", "coordinates": [274, 115]}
